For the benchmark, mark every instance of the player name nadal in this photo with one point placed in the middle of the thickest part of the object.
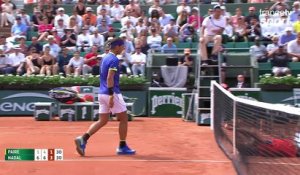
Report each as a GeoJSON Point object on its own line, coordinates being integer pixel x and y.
{"type": "Point", "coordinates": [14, 157]}
{"type": "Point", "coordinates": [165, 99]}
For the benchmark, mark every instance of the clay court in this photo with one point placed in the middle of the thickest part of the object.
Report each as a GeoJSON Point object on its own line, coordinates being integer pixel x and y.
{"type": "Point", "coordinates": [164, 146]}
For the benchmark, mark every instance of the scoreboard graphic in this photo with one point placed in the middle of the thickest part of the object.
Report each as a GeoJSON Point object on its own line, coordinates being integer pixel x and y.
{"type": "Point", "coordinates": [14, 154]}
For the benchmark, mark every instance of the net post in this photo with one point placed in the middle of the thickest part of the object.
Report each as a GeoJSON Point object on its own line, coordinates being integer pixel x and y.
{"type": "Point", "coordinates": [212, 112]}
{"type": "Point", "coordinates": [234, 129]}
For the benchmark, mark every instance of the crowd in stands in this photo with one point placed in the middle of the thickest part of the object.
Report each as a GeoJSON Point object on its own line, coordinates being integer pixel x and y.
{"type": "Point", "coordinates": [75, 43]}
{"type": "Point", "coordinates": [49, 41]}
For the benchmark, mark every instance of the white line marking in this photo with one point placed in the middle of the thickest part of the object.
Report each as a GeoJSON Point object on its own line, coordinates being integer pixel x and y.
{"type": "Point", "coordinates": [277, 163]}
{"type": "Point", "coordinates": [137, 160]}
{"type": "Point", "coordinates": [52, 127]}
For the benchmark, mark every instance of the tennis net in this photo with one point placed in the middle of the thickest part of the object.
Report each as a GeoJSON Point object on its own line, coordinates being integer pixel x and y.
{"type": "Point", "coordinates": [259, 138]}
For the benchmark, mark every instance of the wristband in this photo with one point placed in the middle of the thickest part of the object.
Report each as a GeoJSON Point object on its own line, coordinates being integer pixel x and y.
{"type": "Point", "coordinates": [110, 91]}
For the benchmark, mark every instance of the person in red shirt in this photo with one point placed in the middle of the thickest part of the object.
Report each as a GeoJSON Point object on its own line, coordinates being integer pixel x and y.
{"type": "Point", "coordinates": [91, 62]}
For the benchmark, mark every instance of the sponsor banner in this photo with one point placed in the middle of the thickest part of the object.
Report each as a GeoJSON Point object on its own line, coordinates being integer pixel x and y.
{"type": "Point", "coordinates": [14, 103]}
{"type": "Point", "coordinates": [165, 102]}
{"type": "Point", "coordinates": [247, 93]}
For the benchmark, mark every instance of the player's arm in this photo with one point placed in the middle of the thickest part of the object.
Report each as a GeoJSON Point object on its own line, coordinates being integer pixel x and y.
{"type": "Point", "coordinates": [110, 85]}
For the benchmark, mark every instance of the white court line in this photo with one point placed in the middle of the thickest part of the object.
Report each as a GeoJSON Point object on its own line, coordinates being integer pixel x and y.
{"type": "Point", "coordinates": [138, 160]}
{"type": "Point", "coordinates": [276, 163]}
{"type": "Point", "coordinates": [52, 127]}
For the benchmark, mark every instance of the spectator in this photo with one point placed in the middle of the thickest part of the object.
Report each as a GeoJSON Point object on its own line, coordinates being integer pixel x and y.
{"type": "Point", "coordinates": [295, 13]}
{"type": "Point", "coordinates": [138, 61]}
{"type": "Point", "coordinates": [282, 24]}
{"type": "Point", "coordinates": [169, 47]}
{"type": "Point", "coordinates": [129, 30]}
{"type": "Point", "coordinates": [84, 41]}
{"type": "Point", "coordinates": [287, 37]}
{"type": "Point", "coordinates": [75, 65]}
{"type": "Point", "coordinates": [241, 82]}
{"type": "Point", "coordinates": [7, 16]}
{"type": "Point", "coordinates": [25, 18]}
{"type": "Point", "coordinates": [155, 24]}
{"type": "Point", "coordinates": [63, 60]}
{"type": "Point", "coordinates": [128, 16]}
{"type": "Point", "coordinates": [280, 5]}
{"type": "Point", "coordinates": [164, 19]}
{"type": "Point", "coordinates": [15, 62]}
{"type": "Point", "coordinates": [103, 16]}
{"type": "Point", "coordinates": [155, 6]}
{"type": "Point", "coordinates": [78, 19]}
{"type": "Point", "coordinates": [274, 45]}
{"type": "Point", "coordinates": [88, 25]}
{"type": "Point", "coordinates": [238, 15]}
{"type": "Point", "coordinates": [253, 30]}
{"type": "Point", "coordinates": [33, 62]}
{"type": "Point", "coordinates": [61, 15]}
{"type": "Point", "coordinates": [35, 44]}
{"type": "Point", "coordinates": [258, 51]}
{"type": "Point", "coordinates": [103, 5]}
{"type": "Point", "coordinates": [296, 25]}
{"type": "Point", "coordinates": [225, 13]}
{"type": "Point", "coordinates": [239, 31]}
{"type": "Point", "coordinates": [212, 29]}
{"type": "Point", "coordinates": [251, 15]}
{"type": "Point", "coordinates": [5, 46]}
{"type": "Point", "coordinates": [293, 47]}
{"type": "Point", "coordinates": [97, 40]}
{"type": "Point", "coordinates": [69, 39]}
{"type": "Point", "coordinates": [60, 28]}
{"type": "Point", "coordinates": [103, 27]}
{"type": "Point", "coordinates": [228, 30]}
{"type": "Point", "coordinates": [280, 59]}
{"type": "Point", "coordinates": [48, 63]}
{"type": "Point", "coordinates": [92, 17]}
{"type": "Point", "coordinates": [154, 15]}
{"type": "Point", "coordinates": [56, 37]}
{"type": "Point", "coordinates": [117, 11]}
{"type": "Point", "coordinates": [134, 8]}
{"type": "Point", "coordinates": [37, 17]}
{"type": "Point", "coordinates": [187, 59]}
{"type": "Point", "coordinates": [74, 26]}
{"type": "Point", "coordinates": [18, 29]}
{"type": "Point", "coordinates": [183, 7]}
{"type": "Point", "coordinates": [141, 41]}
{"type": "Point", "coordinates": [129, 48]}
{"type": "Point", "coordinates": [171, 30]}
{"type": "Point", "coordinates": [154, 40]}
{"type": "Point", "coordinates": [80, 7]}
{"type": "Point", "coordinates": [140, 26]}
{"type": "Point", "coordinates": [182, 18]}
{"type": "Point", "coordinates": [195, 20]}
{"type": "Point", "coordinates": [22, 45]}
{"type": "Point", "coordinates": [3, 62]}
{"type": "Point", "coordinates": [44, 28]}
{"type": "Point", "coordinates": [50, 17]}
{"type": "Point", "coordinates": [54, 48]}
{"type": "Point", "coordinates": [91, 62]}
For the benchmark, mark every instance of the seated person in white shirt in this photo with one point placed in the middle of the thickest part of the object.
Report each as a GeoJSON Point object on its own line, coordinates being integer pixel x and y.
{"type": "Point", "coordinates": [138, 61]}
{"type": "Point", "coordinates": [154, 40]}
{"type": "Point", "coordinates": [171, 30]}
{"type": "Point", "coordinates": [129, 17]}
{"type": "Point", "coordinates": [3, 62]}
{"type": "Point", "coordinates": [212, 29]}
{"type": "Point", "coordinates": [258, 51]}
{"type": "Point", "coordinates": [97, 40]}
{"type": "Point", "coordinates": [293, 47]}
{"type": "Point", "coordinates": [117, 11]}
{"type": "Point", "coordinates": [15, 62]}
{"type": "Point", "coordinates": [75, 65]}
{"type": "Point", "coordinates": [84, 42]}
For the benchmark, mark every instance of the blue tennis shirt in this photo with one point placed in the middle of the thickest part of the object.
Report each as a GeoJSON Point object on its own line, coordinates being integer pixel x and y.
{"type": "Point", "coordinates": [109, 62]}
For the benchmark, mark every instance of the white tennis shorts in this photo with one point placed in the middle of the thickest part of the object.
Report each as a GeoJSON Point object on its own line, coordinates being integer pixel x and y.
{"type": "Point", "coordinates": [119, 104]}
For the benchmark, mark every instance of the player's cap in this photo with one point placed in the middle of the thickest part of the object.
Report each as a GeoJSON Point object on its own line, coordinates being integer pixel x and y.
{"type": "Point", "coordinates": [195, 8]}
{"type": "Point", "coordinates": [217, 7]}
{"type": "Point", "coordinates": [17, 47]}
{"type": "Point", "coordinates": [223, 7]}
{"type": "Point", "coordinates": [116, 1]}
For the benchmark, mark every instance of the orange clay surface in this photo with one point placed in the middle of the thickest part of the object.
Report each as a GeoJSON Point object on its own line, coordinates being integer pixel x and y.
{"type": "Point", "coordinates": [164, 146]}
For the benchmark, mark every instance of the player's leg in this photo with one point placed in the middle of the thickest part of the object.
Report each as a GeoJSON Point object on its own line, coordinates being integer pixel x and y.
{"type": "Point", "coordinates": [121, 112]}
{"type": "Point", "coordinates": [104, 111]}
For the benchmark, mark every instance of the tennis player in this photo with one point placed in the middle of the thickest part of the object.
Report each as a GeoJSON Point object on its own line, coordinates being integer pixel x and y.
{"type": "Point", "coordinates": [110, 100]}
